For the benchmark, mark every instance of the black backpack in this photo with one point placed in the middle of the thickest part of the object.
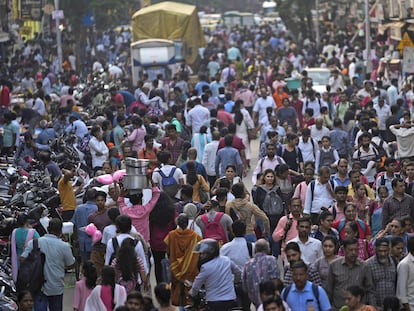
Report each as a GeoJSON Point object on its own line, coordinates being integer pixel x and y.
{"type": "Point", "coordinates": [30, 276]}
{"type": "Point", "coordinates": [115, 246]}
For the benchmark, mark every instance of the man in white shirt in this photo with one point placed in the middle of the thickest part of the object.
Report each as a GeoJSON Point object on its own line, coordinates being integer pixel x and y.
{"type": "Point", "coordinates": [367, 155]}
{"type": "Point", "coordinates": [312, 102]}
{"type": "Point", "coordinates": [198, 116]}
{"type": "Point", "coordinates": [164, 157]}
{"type": "Point", "coordinates": [39, 105]}
{"type": "Point", "coordinates": [308, 146]}
{"type": "Point", "coordinates": [123, 226]}
{"type": "Point", "coordinates": [239, 251]}
{"type": "Point", "coordinates": [259, 109]}
{"type": "Point", "coordinates": [209, 158]}
{"type": "Point", "coordinates": [77, 126]}
{"type": "Point", "coordinates": [269, 162]}
{"type": "Point", "coordinates": [318, 130]}
{"type": "Point", "coordinates": [392, 92]}
{"type": "Point", "coordinates": [310, 248]}
{"type": "Point", "coordinates": [383, 113]}
{"type": "Point", "coordinates": [318, 194]}
{"type": "Point", "coordinates": [336, 81]}
{"type": "Point", "coordinates": [405, 278]}
{"type": "Point", "coordinates": [405, 136]}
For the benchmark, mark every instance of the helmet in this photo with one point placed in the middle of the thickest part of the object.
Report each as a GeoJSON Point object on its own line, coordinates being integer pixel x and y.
{"type": "Point", "coordinates": [209, 247]}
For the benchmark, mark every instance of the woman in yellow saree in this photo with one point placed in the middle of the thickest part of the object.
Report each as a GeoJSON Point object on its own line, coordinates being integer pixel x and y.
{"type": "Point", "coordinates": [180, 244]}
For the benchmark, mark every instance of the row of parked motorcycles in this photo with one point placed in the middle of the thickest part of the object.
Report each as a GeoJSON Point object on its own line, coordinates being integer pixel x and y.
{"type": "Point", "coordinates": [30, 191]}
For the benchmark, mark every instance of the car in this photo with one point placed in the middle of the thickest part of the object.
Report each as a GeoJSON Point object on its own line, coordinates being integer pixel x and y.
{"type": "Point", "coordinates": [320, 78]}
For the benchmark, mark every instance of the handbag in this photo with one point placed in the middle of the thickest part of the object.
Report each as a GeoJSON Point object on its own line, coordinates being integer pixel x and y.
{"type": "Point", "coordinates": [204, 194]}
{"type": "Point", "coordinates": [252, 133]}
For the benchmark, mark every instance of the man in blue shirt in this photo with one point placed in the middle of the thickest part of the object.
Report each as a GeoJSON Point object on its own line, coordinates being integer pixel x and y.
{"type": "Point", "coordinates": [58, 256]}
{"type": "Point", "coordinates": [216, 274]}
{"type": "Point", "coordinates": [228, 156]}
{"type": "Point", "coordinates": [80, 220]}
{"type": "Point", "coordinates": [302, 294]}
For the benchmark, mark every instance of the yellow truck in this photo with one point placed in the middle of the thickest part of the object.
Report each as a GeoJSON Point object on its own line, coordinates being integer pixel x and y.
{"type": "Point", "coordinates": [169, 21]}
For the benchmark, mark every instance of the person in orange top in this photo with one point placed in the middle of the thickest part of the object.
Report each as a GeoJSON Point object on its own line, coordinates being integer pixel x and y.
{"type": "Point", "coordinates": [279, 95]}
{"type": "Point", "coordinates": [149, 152]}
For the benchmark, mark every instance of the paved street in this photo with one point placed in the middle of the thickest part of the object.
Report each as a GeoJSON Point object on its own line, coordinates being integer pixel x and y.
{"type": "Point", "coordinates": [70, 278]}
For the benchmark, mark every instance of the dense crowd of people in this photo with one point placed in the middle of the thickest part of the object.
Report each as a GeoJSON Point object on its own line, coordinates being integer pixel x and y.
{"type": "Point", "coordinates": [326, 225]}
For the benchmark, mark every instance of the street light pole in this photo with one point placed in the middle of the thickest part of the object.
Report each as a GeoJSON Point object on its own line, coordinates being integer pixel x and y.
{"type": "Point", "coordinates": [317, 24]}
{"type": "Point", "coordinates": [368, 36]}
{"type": "Point", "coordinates": [58, 36]}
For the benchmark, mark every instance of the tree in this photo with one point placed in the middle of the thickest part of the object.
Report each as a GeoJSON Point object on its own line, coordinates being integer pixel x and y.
{"type": "Point", "coordinates": [297, 15]}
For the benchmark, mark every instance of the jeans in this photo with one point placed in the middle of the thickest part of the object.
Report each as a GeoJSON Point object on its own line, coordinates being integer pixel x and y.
{"type": "Point", "coordinates": [250, 237]}
{"type": "Point", "coordinates": [42, 302]}
{"type": "Point", "coordinates": [274, 246]}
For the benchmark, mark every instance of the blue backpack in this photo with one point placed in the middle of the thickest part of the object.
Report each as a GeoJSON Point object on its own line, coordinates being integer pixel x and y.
{"type": "Point", "coordinates": [169, 184]}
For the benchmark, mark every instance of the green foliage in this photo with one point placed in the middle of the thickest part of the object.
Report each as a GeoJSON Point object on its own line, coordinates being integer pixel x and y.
{"type": "Point", "coordinates": [107, 13]}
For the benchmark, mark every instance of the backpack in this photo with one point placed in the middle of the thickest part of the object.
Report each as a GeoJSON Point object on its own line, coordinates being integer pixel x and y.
{"type": "Point", "coordinates": [312, 186]}
{"type": "Point", "coordinates": [279, 160]}
{"type": "Point", "coordinates": [30, 276]}
{"type": "Point", "coordinates": [382, 155]}
{"type": "Point", "coordinates": [115, 246]}
{"type": "Point", "coordinates": [315, 291]}
{"type": "Point", "coordinates": [382, 179]}
{"type": "Point", "coordinates": [213, 229]}
{"type": "Point", "coordinates": [283, 149]}
{"type": "Point", "coordinates": [364, 162]}
{"type": "Point", "coordinates": [169, 184]}
{"type": "Point", "coordinates": [273, 204]}
{"type": "Point", "coordinates": [307, 103]}
{"type": "Point", "coordinates": [185, 132]}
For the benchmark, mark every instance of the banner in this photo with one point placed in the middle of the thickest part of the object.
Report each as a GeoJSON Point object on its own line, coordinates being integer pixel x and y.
{"type": "Point", "coordinates": [408, 59]}
{"type": "Point", "coordinates": [31, 10]}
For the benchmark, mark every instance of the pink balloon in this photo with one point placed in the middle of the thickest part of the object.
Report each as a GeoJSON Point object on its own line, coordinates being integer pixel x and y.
{"type": "Point", "coordinates": [119, 175]}
{"type": "Point", "coordinates": [105, 179]}
{"type": "Point", "coordinates": [97, 236]}
{"type": "Point", "coordinates": [90, 229]}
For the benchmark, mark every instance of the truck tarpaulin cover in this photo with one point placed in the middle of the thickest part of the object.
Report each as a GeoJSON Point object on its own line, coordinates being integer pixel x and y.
{"type": "Point", "coordinates": [172, 21]}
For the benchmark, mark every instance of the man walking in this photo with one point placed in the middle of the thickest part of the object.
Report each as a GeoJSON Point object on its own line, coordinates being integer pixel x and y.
{"type": "Point", "coordinates": [318, 194]}
{"type": "Point", "coordinates": [310, 248]}
{"type": "Point", "coordinates": [263, 267]}
{"type": "Point", "coordinates": [383, 270]}
{"type": "Point", "coordinates": [347, 271]}
{"type": "Point", "coordinates": [270, 161]}
{"type": "Point", "coordinates": [406, 278]}
{"type": "Point", "coordinates": [58, 257]}
{"type": "Point", "coordinates": [303, 295]}
{"type": "Point", "coordinates": [80, 220]}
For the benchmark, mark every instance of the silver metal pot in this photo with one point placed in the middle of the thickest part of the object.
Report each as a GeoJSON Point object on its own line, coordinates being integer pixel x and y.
{"type": "Point", "coordinates": [133, 182]}
{"type": "Point", "coordinates": [136, 166]}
